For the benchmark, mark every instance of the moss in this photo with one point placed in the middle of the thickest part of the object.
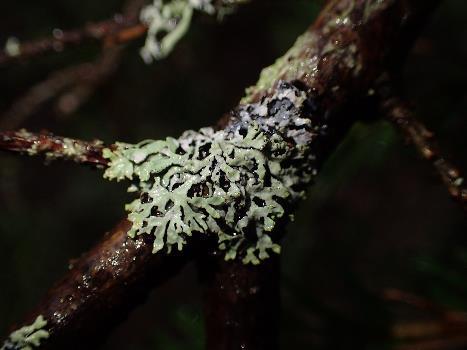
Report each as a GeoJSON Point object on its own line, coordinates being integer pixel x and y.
{"type": "Point", "coordinates": [27, 337]}
{"type": "Point", "coordinates": [232, 183]}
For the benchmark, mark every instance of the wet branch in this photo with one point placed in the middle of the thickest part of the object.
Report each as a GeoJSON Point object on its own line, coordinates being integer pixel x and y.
{"type": "Point", "coordinates": [102, 287]}
{"type": "Point", "coordinates": [53, 147]}
{"type": "Point", "coordinates": [353, 43]}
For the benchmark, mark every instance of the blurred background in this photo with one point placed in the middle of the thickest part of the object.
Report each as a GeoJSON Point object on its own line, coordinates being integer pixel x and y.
{"type": "Point", "coordinates": [377, 254]}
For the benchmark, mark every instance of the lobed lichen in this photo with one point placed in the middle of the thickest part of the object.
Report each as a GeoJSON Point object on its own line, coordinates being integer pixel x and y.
{"type": "Point", "coordinates": [235, 183]}
{"type": "Point", "coordinates": [27, 337]}
{"type": "Point", "coordinates": [295, 63]}
{"type": "Point", "coordinates": [171, 19]}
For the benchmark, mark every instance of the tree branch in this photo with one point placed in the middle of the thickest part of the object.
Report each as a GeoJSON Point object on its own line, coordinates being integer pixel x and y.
{"type": "Point", "coordinates": [75, 84]}
{"type": "Point", "coordinates": [336, 62]}
{"type": "Point", "coordinates": [242, 303]}
{"type": "Point", "coordinates": [53, 147]}
{"type": "Point", "coordinates": [101, 288]}
{"type": "Point", "coordinates": [120, 29]}
{"type": "Point", "coordinates": [117, 30]}
{"type": "Point", "coordinates": [398, 112]}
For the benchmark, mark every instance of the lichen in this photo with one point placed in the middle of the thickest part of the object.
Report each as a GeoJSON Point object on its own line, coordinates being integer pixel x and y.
{"type": "Point", "coordinates": [171, 20]}
{"type": "Point", "coordinates": [294, 64]}
{"type": "Point", "coordinates": [371, 6]}
{"type": "Point", "coordinates": [63, 148]}
{"type": "Point", "coordinates": [27, 337]}
{"type": "Point", "coordinates": [235, 183]}
{"type": "Point", "coordinates": [12, 47]}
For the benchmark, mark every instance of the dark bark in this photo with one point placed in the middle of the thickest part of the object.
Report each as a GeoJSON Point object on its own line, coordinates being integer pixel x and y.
{"type": "Point", "coordinates": [242, 304]}
{"type": "Point", "coordinates": [101, 288]}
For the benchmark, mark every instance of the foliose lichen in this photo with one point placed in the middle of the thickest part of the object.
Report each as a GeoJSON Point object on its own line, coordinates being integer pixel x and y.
{"type": "Point", "coordinates": [169, 20]}
{"type": "Point", "coordinates": [295, 63]}
{"type": "Point", "coordinates": [27, 337]}
{"type": "Point", "coordinates": [235, 183]}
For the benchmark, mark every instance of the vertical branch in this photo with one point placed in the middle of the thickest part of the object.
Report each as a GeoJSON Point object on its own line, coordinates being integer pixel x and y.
{"type": "Point", "coordinates": [242, 303]}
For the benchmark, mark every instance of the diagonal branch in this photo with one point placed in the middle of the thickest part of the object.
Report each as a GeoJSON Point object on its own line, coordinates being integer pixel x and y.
{"type": "Point", "coordinates": [53, 147]}
{"type": "Point", "coordinates": [101, 288]}
{"type": "Point", "coordinates": [335, 62]}
{"type": "Point", "coordinates": [399, 113]}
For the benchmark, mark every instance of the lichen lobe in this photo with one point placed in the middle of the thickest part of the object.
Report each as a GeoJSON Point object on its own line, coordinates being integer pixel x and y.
{"type": "Point", "coordinates": [27, 337]}
{"type": "Point", "coordinates": [235, 183]}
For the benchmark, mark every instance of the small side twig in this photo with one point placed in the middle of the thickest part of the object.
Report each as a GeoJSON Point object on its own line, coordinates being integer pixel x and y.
{"type": "Point", "coordinates": [119, 29]}
{"type": "Point", "coordinates": [456, 343]}
{"type": "Point", "coordinates": [423, 304]}
{"type": "Point", "coordinates": [448, 328]}
{"type": "Point", "coordinates": [41, 93]}
{"type": "Point", "coordinates": [53, 147]}
{"type": "Point", "coordinates": [399, 113]}
{"type": "Point", "coordinates": [72, 86]}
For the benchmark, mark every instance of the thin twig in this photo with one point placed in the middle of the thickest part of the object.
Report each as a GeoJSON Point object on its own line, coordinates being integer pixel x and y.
{"type": "Point", "coordinates": [428, 329]}
{"type": "Point", "coordinates": [101, 69]}
{"type": "Point", "coordinates": [118, 30]}
{"type": "Point", "coordinates": [36, 96]}
{"type": "Point", "coordinates": [75, 83]}
{"type": "Point", "coordinates": [451, 343]}
{"type": "Point", "coordinates": [53, 147]}
{"type": "Point", "coordinates": [397, 111]}
{"type": "Point", "coordinates": [396, 295]}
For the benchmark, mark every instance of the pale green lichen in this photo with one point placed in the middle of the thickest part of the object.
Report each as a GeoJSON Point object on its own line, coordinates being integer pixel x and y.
{"type": "Point", "coordinates": [232, 182]}
{"type": "Point", "coordinates": [294, 64]}
{"type": "Point", "coordinates": [371, 6]}
{"type": "Point", "coordinates": [12, 47]}
{"type": "Point", "coordinates": [27, 337]}
{"type": "Point", "coordinates": [170, 19]}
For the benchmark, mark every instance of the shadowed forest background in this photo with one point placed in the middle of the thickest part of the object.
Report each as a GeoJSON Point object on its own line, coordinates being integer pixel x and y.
{"type": "Point", "coordinates": [377, 218]}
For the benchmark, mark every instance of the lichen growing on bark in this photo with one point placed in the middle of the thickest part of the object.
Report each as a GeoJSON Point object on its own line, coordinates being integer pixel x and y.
{"type": "Point", "coordinates": [235, 183]}
{"type": "Point", "coordinates": [293, 64]}
{"type": "Point", "coordinates": [27, 337]}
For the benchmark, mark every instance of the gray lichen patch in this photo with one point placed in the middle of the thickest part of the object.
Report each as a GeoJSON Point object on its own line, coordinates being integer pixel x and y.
{"type": "Point", "coordinates": [27, 337]}
{"type": "Point", "coordinates": [235, 183]}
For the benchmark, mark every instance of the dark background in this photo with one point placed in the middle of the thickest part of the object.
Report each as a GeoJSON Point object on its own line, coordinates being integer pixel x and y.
{"type": "Point", "coordinates": [377, 217]}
